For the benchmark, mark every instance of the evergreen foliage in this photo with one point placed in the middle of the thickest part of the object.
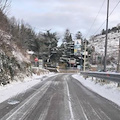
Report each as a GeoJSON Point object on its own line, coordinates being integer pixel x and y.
{"type": "Point", "coordinates": [67, 36]}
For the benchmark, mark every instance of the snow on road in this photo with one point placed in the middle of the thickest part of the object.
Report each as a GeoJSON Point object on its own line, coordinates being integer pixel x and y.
{"type": "Point", "coordinates": [17, 87]}
{"type": "Point", "coordinates": [108, 91]}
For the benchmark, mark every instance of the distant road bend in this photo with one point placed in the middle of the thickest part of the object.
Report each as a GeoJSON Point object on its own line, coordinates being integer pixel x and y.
{"type": "Point", "coordinates": [60, 97]}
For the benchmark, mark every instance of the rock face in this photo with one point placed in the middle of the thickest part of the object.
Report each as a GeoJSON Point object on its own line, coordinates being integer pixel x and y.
{"type": "Point", "coordinates": [13, 60]}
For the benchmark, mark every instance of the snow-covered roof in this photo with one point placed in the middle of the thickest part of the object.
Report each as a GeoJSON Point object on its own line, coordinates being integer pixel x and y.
{"type": "Point", "coordinates": [30, 52]}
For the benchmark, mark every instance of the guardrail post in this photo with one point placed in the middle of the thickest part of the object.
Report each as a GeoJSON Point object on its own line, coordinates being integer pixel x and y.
{"type": "Point", "coordinates": [118, 84]}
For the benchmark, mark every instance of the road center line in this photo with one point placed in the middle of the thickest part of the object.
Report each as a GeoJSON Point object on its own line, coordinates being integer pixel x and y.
{"type": "Point", "coordinates": [70, 105]}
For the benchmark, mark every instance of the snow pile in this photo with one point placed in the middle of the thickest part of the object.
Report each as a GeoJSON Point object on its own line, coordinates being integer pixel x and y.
{"type": "Point", "coordinates": [30, 52]}
{"type": "Point", "coordinates": [17, 87]}
{"type": "Point", "coordinates": [108, 91]}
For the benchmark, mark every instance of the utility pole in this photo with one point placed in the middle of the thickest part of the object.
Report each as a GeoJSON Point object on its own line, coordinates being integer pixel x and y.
{"type": "Point", "coordinates": [84, 57]}
{"type": "Point", "coordinates": [70, 56]}
{"type": "Point", "coordinates": [105, 57]}
{"type": "Point", "coordinates": [118, 68]}
{"type": "Point", "coordinates": [81, 55]}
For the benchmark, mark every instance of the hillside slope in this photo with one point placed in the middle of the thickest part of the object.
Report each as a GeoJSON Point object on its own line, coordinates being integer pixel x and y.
{"type": "Point", "coordinates": [13, 60]}
{"type": "Point", "coordinates": [113, 44]}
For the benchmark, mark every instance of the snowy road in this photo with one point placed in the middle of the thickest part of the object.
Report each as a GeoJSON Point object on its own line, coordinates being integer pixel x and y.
{"type": "Point", "coordinates": [60, 97]}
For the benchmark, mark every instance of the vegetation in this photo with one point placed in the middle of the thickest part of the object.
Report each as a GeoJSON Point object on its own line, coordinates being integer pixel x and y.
{"type": "Point", "coordinates": [113, 29]}
{"type": "Point", "coordinates": [43, 44]}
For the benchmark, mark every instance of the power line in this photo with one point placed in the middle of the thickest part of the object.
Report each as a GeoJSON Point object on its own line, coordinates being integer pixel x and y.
{"type": "Point", "coordinates": [114, 8]}
{"type": "Point", "coordinates": [99, 27]}
{"type": "Point", "coordinates": [108, 16]}
{"type": "Point", "coordinates": [95, 19]}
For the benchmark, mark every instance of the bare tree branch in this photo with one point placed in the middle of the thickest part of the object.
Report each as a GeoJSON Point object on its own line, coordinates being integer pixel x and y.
{"type": "Point", "coordinates": [4, 4]}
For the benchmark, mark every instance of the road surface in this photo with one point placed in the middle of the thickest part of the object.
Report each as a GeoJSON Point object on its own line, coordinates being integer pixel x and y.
{"type": "Point", "coordinates": [60, 97]}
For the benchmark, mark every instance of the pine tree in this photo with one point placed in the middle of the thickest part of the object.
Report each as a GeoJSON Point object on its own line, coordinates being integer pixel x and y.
{"type": "Point", "coordinates": [67, 36]}
{"type": "Point", "coordinates": [78, 35]}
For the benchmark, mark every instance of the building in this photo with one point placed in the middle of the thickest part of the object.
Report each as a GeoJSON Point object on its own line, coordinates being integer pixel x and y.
{"type": "Point", "coordinates": [68, 54]}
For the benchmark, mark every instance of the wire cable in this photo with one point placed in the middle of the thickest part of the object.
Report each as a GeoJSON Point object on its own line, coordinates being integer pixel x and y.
{"type": "Point", "coordinates": [108, 17]}
{"type": "Point", "coordinates": [95, 18]}
{"type": "Point", "coordinates": [115, 7]}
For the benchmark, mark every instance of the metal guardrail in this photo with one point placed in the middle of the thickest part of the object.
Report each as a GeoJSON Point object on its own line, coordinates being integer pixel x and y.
{"type": "Point", "coordinates": [115, 77]}
{"type": "Point", "coordinates": [52, 69]}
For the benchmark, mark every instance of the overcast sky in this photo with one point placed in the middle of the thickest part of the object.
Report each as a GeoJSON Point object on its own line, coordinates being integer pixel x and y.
{"type": "Point", "coordinates": [58, 15]}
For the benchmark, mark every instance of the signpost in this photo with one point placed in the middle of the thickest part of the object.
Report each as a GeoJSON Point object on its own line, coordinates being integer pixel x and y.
{"type": "Point", "coordinates": [40, 63]}
{"type": "Point", "coordinates": [36, 59]}
{"type": "Point", "coordinates": [36, 62]}
{"type": "Point", "coordinates": [77, 47]}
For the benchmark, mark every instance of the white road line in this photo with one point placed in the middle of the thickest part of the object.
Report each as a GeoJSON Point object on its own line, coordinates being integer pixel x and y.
{"type": "Point", "coordinates": [83, 110]}
{"type": "Point", "coordinates": [44, 113]}
{"type": "Point", "coordinates": [70, 105]}
{"type": "Point", "coordinates": [94, 111]}
{"type": "Point", "coordinates": [105, 114]}
{"type": "Point", "coordinates": [86, 118]}
{"type": "Point", "coordinates": [26, 102]}
{"type": "Point", "coordinates": [33, 104]}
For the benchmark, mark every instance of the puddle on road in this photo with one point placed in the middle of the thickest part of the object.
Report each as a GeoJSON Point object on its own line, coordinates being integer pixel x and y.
{"type": "Point", "coordinates": [13, 102]}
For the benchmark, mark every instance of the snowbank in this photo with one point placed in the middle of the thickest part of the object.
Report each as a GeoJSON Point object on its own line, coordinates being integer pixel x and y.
{"type": "Point", "coordinates": [108, 91]}
{"type": "Point", "coordinates": [17, 87]}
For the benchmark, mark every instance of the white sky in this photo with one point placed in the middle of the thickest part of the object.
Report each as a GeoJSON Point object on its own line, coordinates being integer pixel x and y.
{"type": "Point", "coordinates": [58, 15]}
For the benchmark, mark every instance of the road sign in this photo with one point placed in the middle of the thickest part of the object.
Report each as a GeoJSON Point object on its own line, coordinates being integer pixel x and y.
{"type": "Point", "coordinates": [77, 47]}
{"type": "Point", "coordinates": [36, 59]}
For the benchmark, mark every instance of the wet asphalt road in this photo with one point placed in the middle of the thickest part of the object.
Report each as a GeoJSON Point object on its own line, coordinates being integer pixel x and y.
{"type": "Point", "coordinates": [60, 97]}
